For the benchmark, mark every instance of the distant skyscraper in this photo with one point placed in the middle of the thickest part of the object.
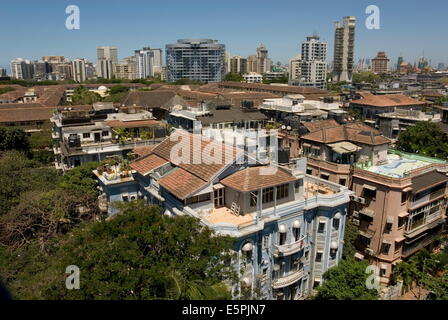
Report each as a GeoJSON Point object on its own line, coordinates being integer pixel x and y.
{"type": "Point", "coordinates": [399, 62]}
{"type": "Point", "coordinates": [238, 64]}
{"type": "Point", "coordinates": [196, 59]}
{"type": "Point", "coordinates": [107, 52]}
{"type": "Point", "coordinates": [148, 62]}
{"type": "Point", "coordinates": [295, 68]}
{"type": "Point", "coordinates": [314, 63]}
{"type": "Point", "coordinates": [264, 64]}
{"type": "Point", "coordinates": [22, 69]}
{"type": "Point", "coordinates": [79, 70]}
{"type": "Point", "coordinates": [107, 58]}
{"type": "Point", "coordinates": [2, 72]}
{"type": "Point", "coordinates": [344, 44]}
{"type": "Point", "coordinates": [380, 64]}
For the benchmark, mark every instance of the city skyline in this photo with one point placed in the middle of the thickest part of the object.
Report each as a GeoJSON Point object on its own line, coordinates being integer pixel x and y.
{"type": "Point", "coordinates": [282, 37]}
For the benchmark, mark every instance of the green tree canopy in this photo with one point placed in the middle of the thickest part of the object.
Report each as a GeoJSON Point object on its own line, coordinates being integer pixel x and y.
{"type": "Point", "coordinates": [84, 96]}
{"type": "Point", "coordinates": [365, 76]}
{"type": "Point", "coordinates": [138, 254]}
{"type": "Point", "coordinates": [233, 77]}
{"type": "Point", "coordinates": [13, 139]}
{"type": "Point", "coordinates": [346, 281]}
{"type": "Point", "coordinates": [426, 139]}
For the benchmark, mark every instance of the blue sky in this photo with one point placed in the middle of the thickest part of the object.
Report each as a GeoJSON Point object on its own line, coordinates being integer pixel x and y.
{"type": "Point", "coordinates": [31, 29]}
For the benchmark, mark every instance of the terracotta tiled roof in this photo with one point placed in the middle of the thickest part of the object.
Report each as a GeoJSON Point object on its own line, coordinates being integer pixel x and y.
{"type": "Point", "coordinates": [181, 183]}
{"type": "Point", "coordinates": [143, 151]}
{"type": "Point", "coordinates": [251, 179]}
{"type": "Point", "coordinates": [148, 163]}
{"type": "Point", "coordinates": [387, 100]}
{"type": "Point", "coordinates": [351, 133]}
{"type": "Point", "coordinates": [24, 114]}
{"type": "Point", "coordinates": [164, 99]}
{"type": "Point", "coordinates": [317, 125]}
{"type": "Point", "coordinates": [200, 160]}
{"type": "Point", "coordinates": [133, 124]}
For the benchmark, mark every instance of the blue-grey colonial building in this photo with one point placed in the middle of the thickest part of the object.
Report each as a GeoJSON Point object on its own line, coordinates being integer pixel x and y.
{"type": "Point", "coordinates": [289, 226]}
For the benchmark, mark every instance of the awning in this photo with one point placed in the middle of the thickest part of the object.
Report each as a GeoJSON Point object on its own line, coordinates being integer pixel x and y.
{"type": "Point", "coordinates": [296, 224]}
{"type": "Point", "coordinates": [387, 242]}
{"type": "Point", "coordinates": [338, 215]}
{"type": "Point", "coordinates": [407, 189]}
{"type": "Point", "coordinates": [368, 187]}
{"type": "Point", "coordinates": [403, 214]}
{"type": "Point", "coordinates": [367, 212]}
{"type": "Point", "coordinates": [247, 247]}
{"type": "Point", "coordinates": [383, 266]}
{"type": "Point", "coordinates": [365, 234]}
{"type": "Point", "coordinates": [155, 194]}
{"type": "Point", "coordinates": [218, 186]}
{"type": "Point", "coordinates": [334, 245]}
{"type": "Point", "coordinates": [320, 250]}
{"type": "Point", "coordinates": [359, 256]}
{"type": "Point", "coordinates": [399, 239]}
{"type": "Point", "coordinates": [306, 145]}
{"type": "Point", "coordinates": [344, 147]}
{"type": "Point", "coordinates": [315, 147]}
{"type": "Point", "coordinates": [282, 228]}
{"type": "Point", "coordinates": [390, 219]}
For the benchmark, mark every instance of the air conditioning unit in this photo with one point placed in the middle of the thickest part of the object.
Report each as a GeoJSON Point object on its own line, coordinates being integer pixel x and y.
{"type": "Point", "coordinates": [370, 252]}
{"type": "Point", "coordinates": [356, 222]}
{"type": "Point", "coordinates": [355, 214]}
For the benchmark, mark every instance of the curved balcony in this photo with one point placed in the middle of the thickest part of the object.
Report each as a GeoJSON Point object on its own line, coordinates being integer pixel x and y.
{"type": "Point", "coordinates": [288, 249]}
{"type": "Point", "coordinates": [288, 280]}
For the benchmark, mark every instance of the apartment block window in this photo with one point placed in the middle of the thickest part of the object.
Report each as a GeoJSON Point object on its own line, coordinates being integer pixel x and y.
{"type": "Point", "coordinates": [336, 224]}
{"type": "Point", "coordinates": [266, 239]}
{"type": "Point", "coordinates": [404, 197]}
{"type": "Point", "coordinates": [296, 232]}
{"type": "Point", "coordinates": [268, 195]}
{"type": "Point", "coordinates": [253, 198]}
{"type": "Point", "coordinates": [282, 191]}
{"type": "Point", "coordinates": [370, 193]}
{"type": "Point", "coordinates": [321, 227]}
{"type": "Point", "coordinates": [105, 133]}
{"type": "Point", "coordinates": [319, 256]}
{"type": "Point", "coordinates": [342, 181]}
{"type": "Point", "coordinates": [86, 135]}
{"type": "Point", "coordinates": [309, 171]}
{"type": "Point", "coordinates": [385, 248]}
{"type": "Point", "coordinates": [199, 198]}
{"type": "Point", "coordinates": [125, 198]}
{"type": "Point", "coordinates": [325, 176]}
{"type": "Point", "coordinates": [281, 238]}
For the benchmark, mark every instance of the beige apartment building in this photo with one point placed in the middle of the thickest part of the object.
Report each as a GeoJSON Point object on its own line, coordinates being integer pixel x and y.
{"type": "Point", "coordinates": [399, 207]}
{"type": "Point", "coordinates": [399, 202]}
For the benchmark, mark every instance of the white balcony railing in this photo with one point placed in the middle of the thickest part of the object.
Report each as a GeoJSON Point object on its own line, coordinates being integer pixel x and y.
{"type": "Point", "coordinates": [289, 279]}
{"type": "Point", "coordinates": [288, 249]}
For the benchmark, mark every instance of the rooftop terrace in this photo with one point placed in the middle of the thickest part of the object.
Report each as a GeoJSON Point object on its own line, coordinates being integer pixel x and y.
{"type": "Point", "coordinates": [400, 164]}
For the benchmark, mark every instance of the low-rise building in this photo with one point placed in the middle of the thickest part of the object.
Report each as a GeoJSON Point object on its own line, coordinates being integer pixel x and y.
{"type": "Point", "coordinates": [370, 105]}
{"type": "Point", "coordinates": [253, 77]}
{"type": "Point", "coordinates": [399, 207]}
{"type": "Point", "coordinates": [288, 226]}
{"type": "Point", "coordinates": [92, 133]}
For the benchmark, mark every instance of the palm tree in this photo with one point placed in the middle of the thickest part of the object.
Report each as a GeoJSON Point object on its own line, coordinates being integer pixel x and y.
{"type": "Point", "coordinates": [177, 287]}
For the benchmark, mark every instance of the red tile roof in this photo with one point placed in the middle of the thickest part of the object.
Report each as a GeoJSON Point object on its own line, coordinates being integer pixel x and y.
{"type": "Point", "coordinates": [143, 151]}
{"type": "Point", "coordinates": [351, 132]}
{"type": "Point", "coordinates": [200, 161]}
{"type": "Point", "coordinates": [181, 183]}
{"type": "Point", "coordinates": [387, 100]}
{"type": "Point", "coordinates": [255, 178]}
{"type": "Point", "coordinates": [317, 125]}
{"type": "Point", "coordinates": [148, 163]}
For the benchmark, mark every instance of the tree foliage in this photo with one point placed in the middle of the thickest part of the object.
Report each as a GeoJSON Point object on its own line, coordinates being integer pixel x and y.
{"type": "Point", "coordinates": [233, 77]}
{"type": "Point", "coordinates": [346, 281]}
{"type": "Point", "coordinates": [13, 139]}
{"type": "Point", "coordinates": [425, 138]}
{"type": "Point", "coordinates": [138, 254]}
{"type": "Point", "coordinates": [84, 96]}
{"type": "Point", "coordinates": [365, 76]}
{"type": "Point", "coordinates": [350, 235]}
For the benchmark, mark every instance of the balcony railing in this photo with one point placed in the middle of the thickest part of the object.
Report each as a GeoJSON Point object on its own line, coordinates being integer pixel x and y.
{"type": "Point", "coordinates": [289, 279]}
{"type": "Point", "coordinates": [288, 249]}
